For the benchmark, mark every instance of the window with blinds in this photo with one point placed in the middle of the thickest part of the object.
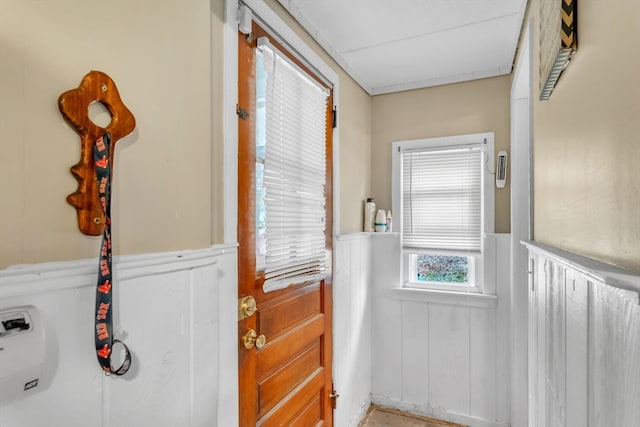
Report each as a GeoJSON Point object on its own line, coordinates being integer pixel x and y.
{"type": "Point", "coordinates": [443, 199]}
{"type": "Point", "coordinates": [290, 171]}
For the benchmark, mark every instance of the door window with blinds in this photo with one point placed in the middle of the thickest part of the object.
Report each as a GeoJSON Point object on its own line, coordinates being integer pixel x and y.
{"type": "Point", "coordinates": [443, 199]}
{"type": "Point", "coordinates": [291, 123]}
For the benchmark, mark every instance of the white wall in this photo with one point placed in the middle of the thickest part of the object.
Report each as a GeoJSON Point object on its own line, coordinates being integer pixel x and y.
{"type": "Point", "coordinates": [584, 341]}
{"type": "Point", "coordinates": [175, 311]}
{"type": "Point", "coordinates": [352, 327]}
{"type": "Point", "coordinates": [445, 358]}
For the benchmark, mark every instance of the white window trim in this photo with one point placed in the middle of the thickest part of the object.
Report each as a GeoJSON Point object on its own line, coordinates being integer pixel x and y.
{"type": "Point", "coordinates": [487, 206]}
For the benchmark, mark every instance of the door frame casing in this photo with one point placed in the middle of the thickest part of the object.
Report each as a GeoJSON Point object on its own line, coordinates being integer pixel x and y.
{"type": "Point", "coordinates": [230, 141]}
{"type": "Point", "coordinates": [521, 169]}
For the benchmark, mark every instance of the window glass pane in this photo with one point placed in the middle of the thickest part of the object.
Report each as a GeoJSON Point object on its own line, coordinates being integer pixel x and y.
{"type": "Point", "coordinates": [260, 121]}
{"type": "Point", "coordinates": [443, 269]}
{"type": "Point", "coordinates": [261, 218]}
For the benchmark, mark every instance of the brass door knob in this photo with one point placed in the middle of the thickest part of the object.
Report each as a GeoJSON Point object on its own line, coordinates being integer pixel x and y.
{"type": "Point", "coordinates": [251, 339]}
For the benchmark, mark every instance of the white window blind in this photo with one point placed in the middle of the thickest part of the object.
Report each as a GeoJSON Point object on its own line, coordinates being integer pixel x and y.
{"type": "Point", "coordinates": [441, 198]}
{"type": "Point", "coordinates": [294, 173]}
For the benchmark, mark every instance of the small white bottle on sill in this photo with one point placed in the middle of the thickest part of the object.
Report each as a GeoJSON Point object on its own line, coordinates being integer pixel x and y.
{"type": "Point", "coordinates": [381, 221]}
{"type": "Point", "coordinates": [369, 214]}
{"type": "Point", "coordinates": [389, 222]}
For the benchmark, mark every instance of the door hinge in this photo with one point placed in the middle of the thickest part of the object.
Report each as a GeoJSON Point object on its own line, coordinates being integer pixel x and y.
{"type": "Point", "coordinates": [242, 113]}
{"type": "Point", "coordinates": [334, 118]}
{"type": "Point", "coordinates": [334, 398]}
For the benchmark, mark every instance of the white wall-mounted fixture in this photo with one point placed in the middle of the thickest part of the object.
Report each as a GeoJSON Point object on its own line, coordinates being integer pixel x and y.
{"type": "Point", "coordinates": [244, 19]}
{"type": "Point", "coordinates": [23, 353]}
{"type": "Point", "coordinates": [501, 169]}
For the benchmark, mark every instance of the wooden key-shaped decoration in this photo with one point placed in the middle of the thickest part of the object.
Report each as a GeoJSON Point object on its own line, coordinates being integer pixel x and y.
{"type": "Point", "coordinates": [74, 106]}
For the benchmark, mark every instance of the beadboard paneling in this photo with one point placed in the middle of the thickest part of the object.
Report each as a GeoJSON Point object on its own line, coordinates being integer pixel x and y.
{"type": "Point", "coordinates": [441, 357]}
{"type": "Point", "coordinates": [584, 341]}
{"type": "Point", "coordinates": [169, 311]}
{"type": "Point", "coordinates": [352, 328]}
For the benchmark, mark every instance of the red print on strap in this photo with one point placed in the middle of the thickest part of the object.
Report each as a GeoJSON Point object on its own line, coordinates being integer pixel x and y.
{"type": "Point", "coordinates": [105, 287]}
{"type": "Point", "coordinates": [103, 162]}
{"type": "Point", "coordinates": [101, 331]}
{"type": "Point", "coordinates": [100, 144]}
{"type": "Point", "coordinates": [103, 185]}
{"type": "Point", "coordinates": [102, 311]}
{"type": "Point", "coordinates": [104, 267]}
{"type": "Point", "coordinates": [104, 352]}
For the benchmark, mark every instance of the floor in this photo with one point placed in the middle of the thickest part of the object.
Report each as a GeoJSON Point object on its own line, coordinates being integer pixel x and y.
{"type": "Point", "coordinates": [385, 417]}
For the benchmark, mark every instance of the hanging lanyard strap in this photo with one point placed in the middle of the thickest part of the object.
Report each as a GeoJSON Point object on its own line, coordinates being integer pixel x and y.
{"type": "Point", "coordinates": [102, 155]}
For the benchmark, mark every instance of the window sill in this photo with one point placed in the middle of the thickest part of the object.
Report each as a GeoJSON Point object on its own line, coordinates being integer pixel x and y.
{"type": "Point", "coordinates": [445, 297]}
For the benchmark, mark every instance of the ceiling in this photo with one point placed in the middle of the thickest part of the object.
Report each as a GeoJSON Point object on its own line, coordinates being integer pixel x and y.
{"type": "Point", "coordinates": [390, 46]}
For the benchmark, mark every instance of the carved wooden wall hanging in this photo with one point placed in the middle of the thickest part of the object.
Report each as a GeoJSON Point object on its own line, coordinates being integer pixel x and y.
{"type": "Point", "coordinates": [74, 106]}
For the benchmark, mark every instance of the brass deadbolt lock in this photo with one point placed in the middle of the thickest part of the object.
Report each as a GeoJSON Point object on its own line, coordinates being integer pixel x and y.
{"type": "Point", "coordinates": [246, 307]}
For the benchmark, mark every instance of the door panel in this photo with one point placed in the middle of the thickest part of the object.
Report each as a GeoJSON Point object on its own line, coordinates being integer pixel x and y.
{"type": "Point", "coordinates": [287, 347]}
{"type": "Point", "coordinates": [277, 317]}
{"type": "Point", "coordinates": [288, 381]}
{"type": "Point", "coordinates": [310, 416]}
{"type": "Point", "coordinates": [291, 409]}
{"type": "Point", "coordinates": [274, 387]}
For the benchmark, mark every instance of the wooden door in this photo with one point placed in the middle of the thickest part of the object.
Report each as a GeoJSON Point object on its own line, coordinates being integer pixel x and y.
{"type": "Point", "coordinates": [288, 382]}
